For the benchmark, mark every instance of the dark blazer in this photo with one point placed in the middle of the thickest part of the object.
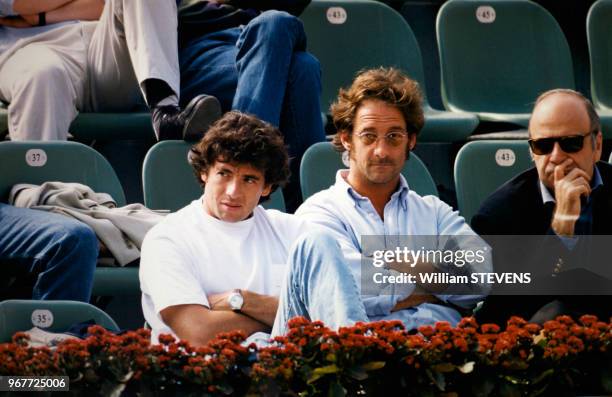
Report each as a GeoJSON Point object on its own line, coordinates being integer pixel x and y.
{"type": "Point", "coordinates": [517, 209]}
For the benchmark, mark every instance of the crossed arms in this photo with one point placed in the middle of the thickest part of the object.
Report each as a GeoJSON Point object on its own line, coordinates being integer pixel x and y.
{"type": "Point", "coordinates": [27, 11]}
{"type": "Point", "coordinates": [199, 324]}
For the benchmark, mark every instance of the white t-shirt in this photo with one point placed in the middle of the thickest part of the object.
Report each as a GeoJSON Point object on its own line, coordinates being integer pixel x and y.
{"type": "Point", "coordinates": [191, 254]}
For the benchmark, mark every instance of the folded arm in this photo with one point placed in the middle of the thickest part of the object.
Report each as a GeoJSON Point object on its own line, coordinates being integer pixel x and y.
{"type": "Point", "coordinates": [198, 324]}
{"type": "Point", "coordinates": [27, 7]}
{"type": "Point", "coordinates": [85, 10]}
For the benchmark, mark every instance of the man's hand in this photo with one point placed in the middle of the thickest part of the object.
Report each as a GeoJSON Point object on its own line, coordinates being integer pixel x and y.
{"type": "Point", "coordinates": [416, 298]}
{"type": "Point", "coordinates": [569, 188]}
{"type": "Point", "coordinates": [31, 19]}
{"type": "Point", "coordinates": [219, 301]}
{"type": "Point", "coordinates": [15, 22]}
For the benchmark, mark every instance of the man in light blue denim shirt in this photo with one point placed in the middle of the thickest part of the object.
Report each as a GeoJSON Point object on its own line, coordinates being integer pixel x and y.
{"type": "Point", "coordinates": [57, 59]}
{"type": "Point", "coordinates": [378, 119]}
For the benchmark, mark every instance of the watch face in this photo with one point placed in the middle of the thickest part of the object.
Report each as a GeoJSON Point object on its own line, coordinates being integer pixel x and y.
{"type": "Point", "coordinates": [235, 301]}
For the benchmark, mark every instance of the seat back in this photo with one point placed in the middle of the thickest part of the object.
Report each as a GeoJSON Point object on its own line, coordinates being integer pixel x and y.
{"type": "Point", "coordinates": [52, 316]}
{"type": "Point", "coordinates": [169, 182]}
{"type": "Point", "coordinates": [348, 36]}
{"type": "Point", "coordinates": [103, 126]}
{"type": "Point", "coordinates": [321, 161]}
{"type": "Point", "coordinates": [483, 166]}
{"type": "Point", "coordinates": [39, 162]}
{"type": "Point", "coordinates": [497, 56]}
{"type": "Point", "coordinates": [599, 32]}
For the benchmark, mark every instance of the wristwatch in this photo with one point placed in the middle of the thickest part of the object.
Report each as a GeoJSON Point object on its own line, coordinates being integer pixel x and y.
{"type": "Point", "coordinates": [235, 300]}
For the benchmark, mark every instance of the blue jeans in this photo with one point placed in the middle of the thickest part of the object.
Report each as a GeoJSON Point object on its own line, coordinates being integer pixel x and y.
{"type": "Point", "coordinates": [262, 69]}
{"type": "Point", "coordinates": [319, 286]}
{"type": "Point", "coordinates": [60, 251]}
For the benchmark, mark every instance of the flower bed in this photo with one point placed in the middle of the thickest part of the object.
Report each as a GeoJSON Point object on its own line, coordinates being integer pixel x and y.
{"type": "Point", "coordinates": [559, 358]}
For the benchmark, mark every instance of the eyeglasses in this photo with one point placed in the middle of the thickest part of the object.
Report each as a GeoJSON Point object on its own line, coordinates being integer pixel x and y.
{"type": "Point", "coordinates": [569, 144]}
{"type": "Point", "coordinates": [394, 138]}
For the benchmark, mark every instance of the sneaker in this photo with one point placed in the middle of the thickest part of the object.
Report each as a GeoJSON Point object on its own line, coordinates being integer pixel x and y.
{"type": "Point", "coordinates": [169, 122]}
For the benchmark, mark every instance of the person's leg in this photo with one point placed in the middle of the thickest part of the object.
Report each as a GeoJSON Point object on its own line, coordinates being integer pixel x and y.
{"type": "Point", "coordinates": [61, 251]}
{"type": "Point", "coordinates": [319, 286]}
{"type": "Point", "coordinates": [134, 51]}
{"type": "Point", "coordinates": [208, 65]}
{"type": "Point", "coordinates": [265, 52]}
{"type": "Point", "coordinates": [134, 40]}
{"type": "Point", "coordinates": [43, 81]}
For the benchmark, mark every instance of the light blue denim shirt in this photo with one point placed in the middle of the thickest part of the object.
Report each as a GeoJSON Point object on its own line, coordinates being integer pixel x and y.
{"type": "Point", "coordinates": [348, 216]}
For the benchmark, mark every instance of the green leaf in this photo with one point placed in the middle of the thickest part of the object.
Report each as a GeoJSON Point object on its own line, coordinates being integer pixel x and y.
{"type": "Point", "coordinates": [358, 373]}
{"type": "Point", "coordinates": [336, 390]}
{"type": "Point", "coordinates": [331, 357]}
{"type": "Point", "coordinates": [509, 390]}
{"type": "Point", "coordinates": [543, 376]}
{"type": "Point", "coordinates": [482, 387]}
{"type": "Point", "coordinates": [373, 365]}
{"type": "Point", "coordinates": [516, 381]}
{"type": "Point", "coordinates": [322, 371]}
{"type": "Point", "coordinates": [437, 378]}
{"type": "Point", "coordinates": [443, 367]}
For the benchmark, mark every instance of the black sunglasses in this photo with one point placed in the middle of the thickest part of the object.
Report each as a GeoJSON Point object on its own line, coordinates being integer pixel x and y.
{"type": "Point", "coordinates": [569, 144]}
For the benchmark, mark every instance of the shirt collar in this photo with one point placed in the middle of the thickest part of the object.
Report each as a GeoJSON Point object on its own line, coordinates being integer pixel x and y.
{"type": "Point", "coordinates": [547, 197]}
{"type": "Point", "coordinates": [357, 199]}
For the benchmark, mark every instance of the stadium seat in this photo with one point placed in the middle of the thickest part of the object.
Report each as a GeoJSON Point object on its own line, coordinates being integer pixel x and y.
{"type": "Point", "coordinates": [52, 316]}
{"type": "Point", "coordinates": [321, 161]}
{"type": "Point", "coordinates": [39, 162]}
{"type": "Point", "coordinates": [497, 56]}
{"type": "Point", "coordinates": [103, 126]}
{"type": "Point", "coordinates": [599, 31]}
{"type": "Point", "coordinates": [348, 36]}
{"type": "Point", "coordinates": [483, 166]}
{"type": "Point", "coordinates": [169, 182]}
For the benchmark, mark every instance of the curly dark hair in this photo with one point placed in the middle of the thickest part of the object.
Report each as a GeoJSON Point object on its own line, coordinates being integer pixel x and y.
{"type": "Point", "coordinates": [240, 138]}
{"type": "Point", "coordinates": [386, 84]}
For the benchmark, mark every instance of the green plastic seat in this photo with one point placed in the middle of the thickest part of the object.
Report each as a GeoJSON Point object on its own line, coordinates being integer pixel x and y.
{"type": "Point", "coordinates": [39, 162]}
{"type": "Point", "coordinates": [52, 316]}
{"type": "Point", "coordinates": [348, 36]}
{"type": "Point", "coordinates": [483, 166]}
{"type": "Point", "coordinates": [599, 32]}
{"type": "Point", "coordinates": [321, 162]}
{"type": "Point", "coordinates": [169, 182]}
{"type": "Point", "coordinates": [497, 56]}
{"type": "Point", "coordinates": [104, 126]}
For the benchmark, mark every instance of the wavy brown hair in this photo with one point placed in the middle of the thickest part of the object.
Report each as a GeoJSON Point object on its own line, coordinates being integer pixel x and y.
{"type": "Point", "coordinates": [385, 84]}
{"type": "Point", "coordinates": [239, 138]}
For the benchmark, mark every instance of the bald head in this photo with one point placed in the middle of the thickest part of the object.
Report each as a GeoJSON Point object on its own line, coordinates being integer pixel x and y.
{"type": "Point", "coordinates": [574, 101]}
{"type": "Point", "coordinates": [565, 113]}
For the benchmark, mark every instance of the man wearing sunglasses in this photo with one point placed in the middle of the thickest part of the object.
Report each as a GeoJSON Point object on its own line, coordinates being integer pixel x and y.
{"type": "Point", "coordinates": [566, 194]}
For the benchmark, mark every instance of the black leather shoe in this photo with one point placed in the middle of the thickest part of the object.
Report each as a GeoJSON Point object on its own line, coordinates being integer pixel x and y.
{"type": "Point", "coordinates": [169, 122]}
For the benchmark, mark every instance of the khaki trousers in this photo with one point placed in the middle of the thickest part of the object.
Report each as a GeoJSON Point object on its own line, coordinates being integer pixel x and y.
{"type": "Point", "coordinates": [88, 66]}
